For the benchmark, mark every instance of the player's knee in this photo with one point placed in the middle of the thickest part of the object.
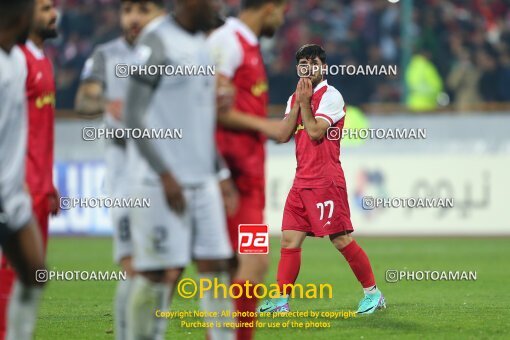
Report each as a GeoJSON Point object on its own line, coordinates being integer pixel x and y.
{"type": "Point", "coordinates": [172, 275]}
{"type": "Point", "coordinates": [155, 276]}
{"type": "Point", "coordinates": [33, 276]}
{"type": "Point", "coordinates": [212, 266]}
{"type": "Point", "coordinates": [289, 242]}
{"type": "Point", "coordinates": [341, 241]}
{"type": "Point", "coordinates": [126, 264]}
{"type": "Point", "coordinates": [233, 263]}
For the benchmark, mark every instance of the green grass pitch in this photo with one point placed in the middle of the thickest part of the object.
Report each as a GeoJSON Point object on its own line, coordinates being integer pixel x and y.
{"type": "Point", "coordinates": [416, 309]}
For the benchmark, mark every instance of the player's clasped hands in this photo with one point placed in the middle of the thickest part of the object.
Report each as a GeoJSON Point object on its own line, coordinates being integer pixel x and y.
{"type": "Point", "coordinates": [304, 91]}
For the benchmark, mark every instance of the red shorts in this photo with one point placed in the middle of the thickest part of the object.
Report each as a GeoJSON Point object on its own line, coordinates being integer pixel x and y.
{"type": "Point", "coordinates": [250, 211]}
{"type": "Point", "coordinates": [318, 211]}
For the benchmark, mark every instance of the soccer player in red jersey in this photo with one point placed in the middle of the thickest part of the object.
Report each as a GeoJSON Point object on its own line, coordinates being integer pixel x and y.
{"type": "Point", "coordinates": [242, 131]}
{"type": "Point", "coordinates": [317, 203]}
{"type": "Point", "coordinates": [40, 92]}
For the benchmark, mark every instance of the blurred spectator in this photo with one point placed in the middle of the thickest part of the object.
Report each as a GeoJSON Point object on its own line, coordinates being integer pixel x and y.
{"type": "Point", "coordinates": [352, 31]}
{"type": "Point", "coordinates": [504, 85]}
{"type": "Point", "coordinates": [463, 81]}
{"type": "Point", "coordinates": [423, 82]}
{"type": "Point", "coordinates": [489, 84]}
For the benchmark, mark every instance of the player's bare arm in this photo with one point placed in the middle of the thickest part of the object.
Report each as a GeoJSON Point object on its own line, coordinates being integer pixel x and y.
{"type": "Point", "coordinates": [237, 120]}
{"type": "Point", "coordinates": [54, 199]}
{"type": "Point", "coordinates": [228, 188]}
{"type": "Point", "coordinates": [89, 99]}
{"type": "Point", "coordinates": [138, 99]}
{"type": "Point", "coordinates": [289, 123]}
{"type": "Point", "coordinates": [225, 94]}
{"type": "Point", "coordinates": [316, 129]}
{"type": "Point", "coordinates": [139, 95]}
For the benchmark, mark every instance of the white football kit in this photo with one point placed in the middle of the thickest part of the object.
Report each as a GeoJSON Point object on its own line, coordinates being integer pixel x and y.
{"type": "Point", "coordinates": [163, 239]}
{"type": "Point", "coordinates": [15, 202]}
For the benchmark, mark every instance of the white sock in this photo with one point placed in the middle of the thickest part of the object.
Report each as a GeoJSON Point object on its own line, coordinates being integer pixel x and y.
{"type": "Point", "coordinates": [120, 305]}
{"type": "Point", "coordinates": [22, 312]}
{"type": "Point", "coordinates": [144, 299]}
{"type": "Point", "coordinates": [371, 290]}
{"type": "Point", "coordinates": [210, 304]}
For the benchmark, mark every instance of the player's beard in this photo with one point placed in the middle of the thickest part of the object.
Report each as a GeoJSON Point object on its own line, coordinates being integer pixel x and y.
{"type": "Point", "coordinates": [48, 33]}
{"type": "Point", "coordinates": [218, 21]}
{"type": "Point", "coordinates": [316, 81]}
{"type": "Point", "coordinates": [132, 33]}
{"type": "Point", "coordinates": [206, 23]}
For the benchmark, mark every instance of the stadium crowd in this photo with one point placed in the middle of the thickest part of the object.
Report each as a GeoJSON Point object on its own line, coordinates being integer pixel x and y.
{"type": "Point", "coordinates": [461, 47]}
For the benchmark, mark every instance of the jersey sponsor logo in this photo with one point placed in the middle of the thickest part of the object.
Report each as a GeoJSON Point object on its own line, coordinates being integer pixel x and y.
{"type": "Point", "coordinates": [253, 239]}
{"type": "Point", "coordinates": [259, 88]}
{"type": "Point", "coordinates": [45, 99]}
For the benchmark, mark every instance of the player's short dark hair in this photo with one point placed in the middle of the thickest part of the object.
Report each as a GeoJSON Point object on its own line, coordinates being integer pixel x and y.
{"type": "Point", "coordinates": [254, 4]}
{"type": "Point", "coordinates": [311, 51]}
{"type": "Point", "coordinates": [159, 3]}
{"type": "Point", "coordinates": [10, 9]}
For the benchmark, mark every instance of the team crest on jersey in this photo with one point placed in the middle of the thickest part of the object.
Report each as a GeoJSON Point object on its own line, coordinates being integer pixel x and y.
{"type": "Point", "coordinates": [299, 128]}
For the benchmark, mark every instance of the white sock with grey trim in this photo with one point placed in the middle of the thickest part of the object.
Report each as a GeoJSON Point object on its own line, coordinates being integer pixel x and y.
{"type": "Point", "coordinates": [145, 298]}
{"type": "Point", "coordinates": [210, 303]}
{"type": "Point", "coordinates": [22, 311]}
{"type": "Point", "coordinates": [120, 305]}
